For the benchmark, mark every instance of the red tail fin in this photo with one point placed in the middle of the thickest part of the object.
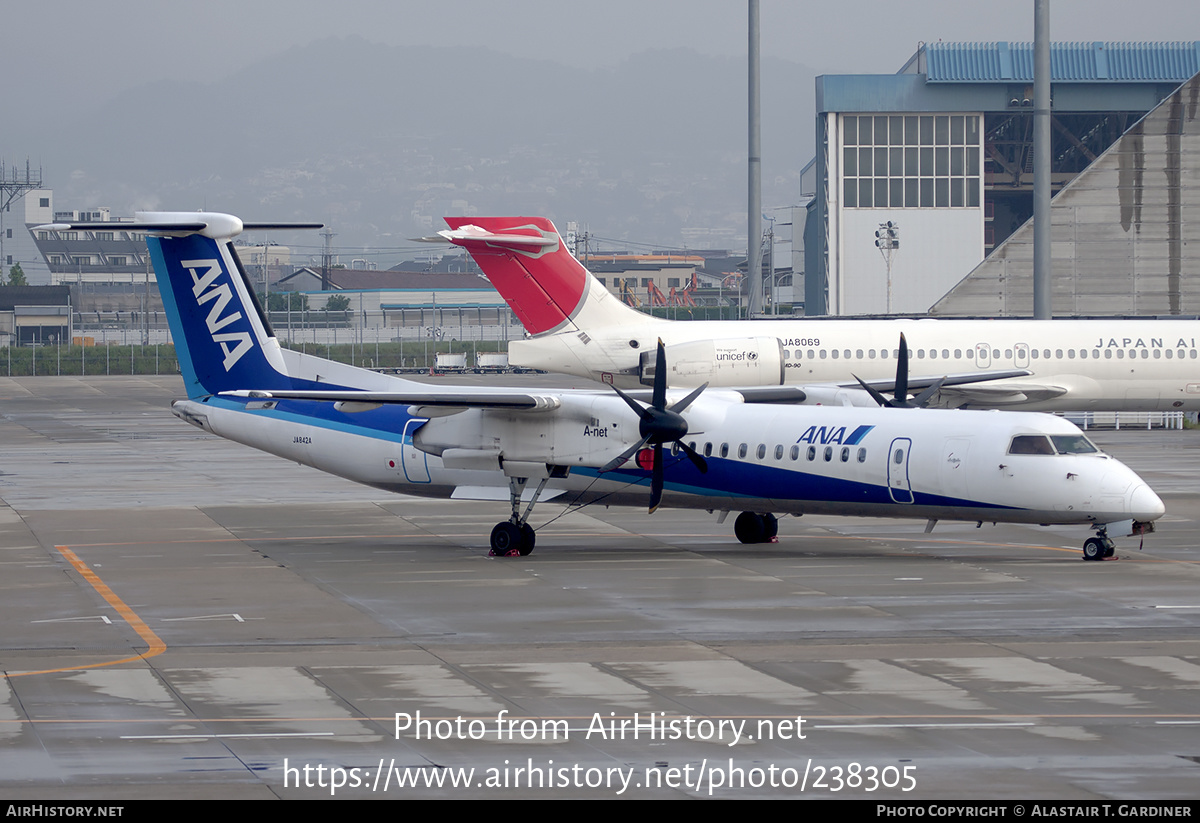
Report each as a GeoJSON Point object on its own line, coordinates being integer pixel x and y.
{"type": "Point", "coordinates": [538, 278]}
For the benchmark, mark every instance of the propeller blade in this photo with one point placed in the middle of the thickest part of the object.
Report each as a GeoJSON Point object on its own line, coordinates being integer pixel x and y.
{"type": "Point", "coordinates": [687, 401]}
{"type": "Point", "coordinates": [924, 397]}
{"type": "Point", "coordinates": [876, 395]}
{"type": "Point", "coordinates": [699, 462]}
{"type": "Point", "coordinates": [637, 407]}
{"type": "Point", "coordinates": [901, 392]}
{"type": "Point", "coordinates": [659, 400]}
{"type": "Point", "coordinates": [620, 459]}
{"type": "Point", "coordinates": [656, 480]}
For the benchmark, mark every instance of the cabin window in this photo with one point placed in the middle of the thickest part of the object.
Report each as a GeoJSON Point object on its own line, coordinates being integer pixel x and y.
{"type": "Point", "coordinates": [883, 353]}
{"type": "Point", "coordinates": [846, 353]}
{"type": "Point", "coordinates": [871, 353]}
{"type": "Point", "coordinates": [795, 454]}
{"type": "Point", "coordinates": [1108, 354]}
{"type": "Point", "coordinates": [933, 354]}
{"type": "Point", "coordinates": [822, 354]}
{"type": "Point", "coordinates": [762, 451]}
{"type": "Point", "coordinates": [812, 354]}
{"type": "Point", "coordinates": [1193, 354]}
{"type": "Point", "coordinates": [862, 454]}
{"type": "Point", "coordinates": [946, 354]}
{"type": "Point", "coordinates": [898, 457]}
{"type": "Point", "coordinates": [920, 354]}
{"type": "Point", "coordinates": [1120, 354]}
{"type": "Point", "coordinates": [834, 354]}
{"type": "Point", "coordinates": [845, 454]}
{"type": "Point", "coordinates": [1030, 444]}
{"type": "Point", "coordinates": [996, 354]}
{"type": "Point", "coordinates": [1145, 354]}
{"type": "Point", "coordinates": [1033, 353]}
{"type": "Point", "coordinates": [779, 452]}
{"type": "Point", "coordinates": [742, 449]}
{"type": "Point", "coordinates": [1157, 354]}
{"type": "Point", "coordinates": [1070, 354]}
{"type": "Point", "coordinates": [787, 354]}
{"type": "Point", "coordinates": [1058, 354]}
{"type": "Point", "coordinates": [812, 453]}
{"type": "Point", "coordinates": [708, 449]}
{"type": "Point", "coordinates": [724, 449]}
{"type": "Point", "coordinates": [1073, 444]}
{"type": "Point", "coordinates": [828, 454]}
{"type": "Point", "coordinates": [858, 354]}
{"type": "Point", "coordinates": [1083, 354]}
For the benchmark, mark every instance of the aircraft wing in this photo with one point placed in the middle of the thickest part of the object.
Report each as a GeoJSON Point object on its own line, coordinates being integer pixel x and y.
{"type": "Point", "coordinates": [516, 401]}
{"type": "Point", "coordinates": [948, 380]}
{"type": "Point", "coordinates": [1003, 394]}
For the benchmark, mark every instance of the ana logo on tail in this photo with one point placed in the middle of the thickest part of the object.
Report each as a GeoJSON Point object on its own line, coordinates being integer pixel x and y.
{"type": "Point", "coordinates": [205, 291]}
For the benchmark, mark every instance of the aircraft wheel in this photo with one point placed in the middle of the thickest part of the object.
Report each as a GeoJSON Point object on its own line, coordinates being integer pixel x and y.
{"type": "Point", "coordinates": [507, 540]}
{"type": "Point", "coordinates": [528, 538]}
{"type": "Point", "coordinates": [1110, 550]}
{"type": "Point", "coordinates": [770, 527]}
{"type": "Point", "coordinates": [749, 528]}
{"type": "Point", "coordinates": [1093, 549]}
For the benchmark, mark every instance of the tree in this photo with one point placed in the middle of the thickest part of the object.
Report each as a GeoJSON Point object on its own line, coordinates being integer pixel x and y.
{"type": "Point", "coordinates": [283, 301]}
{"type": "Point", "coordinates": [16, 276]}
{"type": "Point", "coordinates": [338, 302]}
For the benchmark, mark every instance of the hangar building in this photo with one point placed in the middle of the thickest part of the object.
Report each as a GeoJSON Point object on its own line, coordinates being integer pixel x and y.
{"type": "Point", "coordinates": [943, 151]}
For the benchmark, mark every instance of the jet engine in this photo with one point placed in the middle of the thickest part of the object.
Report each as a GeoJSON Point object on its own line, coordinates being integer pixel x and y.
{"type": "Point", "coordinates": [739, 361]}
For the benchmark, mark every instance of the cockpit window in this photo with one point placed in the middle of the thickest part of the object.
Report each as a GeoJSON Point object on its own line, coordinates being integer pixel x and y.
{"type": "Point", "coordinates": [1073, 444]}
{"type": "Point", "coordinates": [1030, 444]}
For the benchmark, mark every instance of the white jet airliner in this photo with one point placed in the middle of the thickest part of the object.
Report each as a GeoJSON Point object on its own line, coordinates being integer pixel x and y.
{"type": "Point", "coordinates": [578, 327]}
{"type": "Point", "coordinates": [716, 449]}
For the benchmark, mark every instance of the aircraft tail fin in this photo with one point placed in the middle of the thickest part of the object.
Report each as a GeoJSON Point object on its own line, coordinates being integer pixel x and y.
{"type": "Point", "coordinates": [223, 338]}
{"type": "Point", "coordinates": [528, 263]}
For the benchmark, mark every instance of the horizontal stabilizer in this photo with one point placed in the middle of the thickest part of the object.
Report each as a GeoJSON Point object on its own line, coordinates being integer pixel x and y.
{"type": "Point", "coordinates": [180, 224]}
{"type": "Point", "coordinates": [471, 233]}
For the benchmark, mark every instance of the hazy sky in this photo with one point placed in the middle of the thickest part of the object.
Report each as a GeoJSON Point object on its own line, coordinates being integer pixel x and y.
{"type": "Point", "coordinates": [80, 47]}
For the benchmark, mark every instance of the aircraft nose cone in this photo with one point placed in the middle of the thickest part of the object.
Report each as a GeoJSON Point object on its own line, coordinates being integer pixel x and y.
{"type": "Point", "coordinates": [1144, 504]}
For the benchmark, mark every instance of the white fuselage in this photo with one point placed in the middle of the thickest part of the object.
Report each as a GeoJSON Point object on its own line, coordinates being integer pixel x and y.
{"type": "Point", "coordinates": [1073, 365]}
{"type": "Point", "coordinates": [810, 459]}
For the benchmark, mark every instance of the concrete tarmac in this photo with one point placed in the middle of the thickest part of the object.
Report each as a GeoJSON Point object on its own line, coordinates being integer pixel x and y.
{"type": "Point", "coordinates": [186, 617]}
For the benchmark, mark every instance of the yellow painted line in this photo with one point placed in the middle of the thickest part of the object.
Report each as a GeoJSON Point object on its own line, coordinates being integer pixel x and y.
{"type": "Point", "coordinates": [155, 643]}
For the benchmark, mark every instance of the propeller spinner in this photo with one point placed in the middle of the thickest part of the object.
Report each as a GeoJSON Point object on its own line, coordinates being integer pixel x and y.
{"type": "Point", "coordinates": [659, 426]}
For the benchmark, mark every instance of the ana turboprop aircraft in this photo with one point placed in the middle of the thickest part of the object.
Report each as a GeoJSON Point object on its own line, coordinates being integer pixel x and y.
{"type": "Point", "coordinates": [720, 450]}
{"type": "Point", "coordinates": [577, 327]}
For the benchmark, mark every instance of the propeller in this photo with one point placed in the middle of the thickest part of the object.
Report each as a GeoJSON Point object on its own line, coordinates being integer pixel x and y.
{"type": "Point", "coordinates": [659, 425]}
{"type": "Point", "coordinates": [899, 398]}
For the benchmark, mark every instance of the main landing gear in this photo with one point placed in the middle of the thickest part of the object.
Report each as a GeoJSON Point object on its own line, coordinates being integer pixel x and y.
{"type": "Point", "coordinates": [750, 527]}
{"type": "Point", "coordinates": [515, 537]}
{"type": "Point", "coordinates": [1099, 547]}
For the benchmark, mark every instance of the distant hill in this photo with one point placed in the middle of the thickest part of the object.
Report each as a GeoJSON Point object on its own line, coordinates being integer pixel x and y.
{"type": "Point", "coordinates": [381, 141]}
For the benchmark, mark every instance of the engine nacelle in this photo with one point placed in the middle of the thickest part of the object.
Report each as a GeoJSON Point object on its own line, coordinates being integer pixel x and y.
{"type": "Point", "coordinates": [739, 361]}
{"type": "Point", "coordinates": [584, 431]}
